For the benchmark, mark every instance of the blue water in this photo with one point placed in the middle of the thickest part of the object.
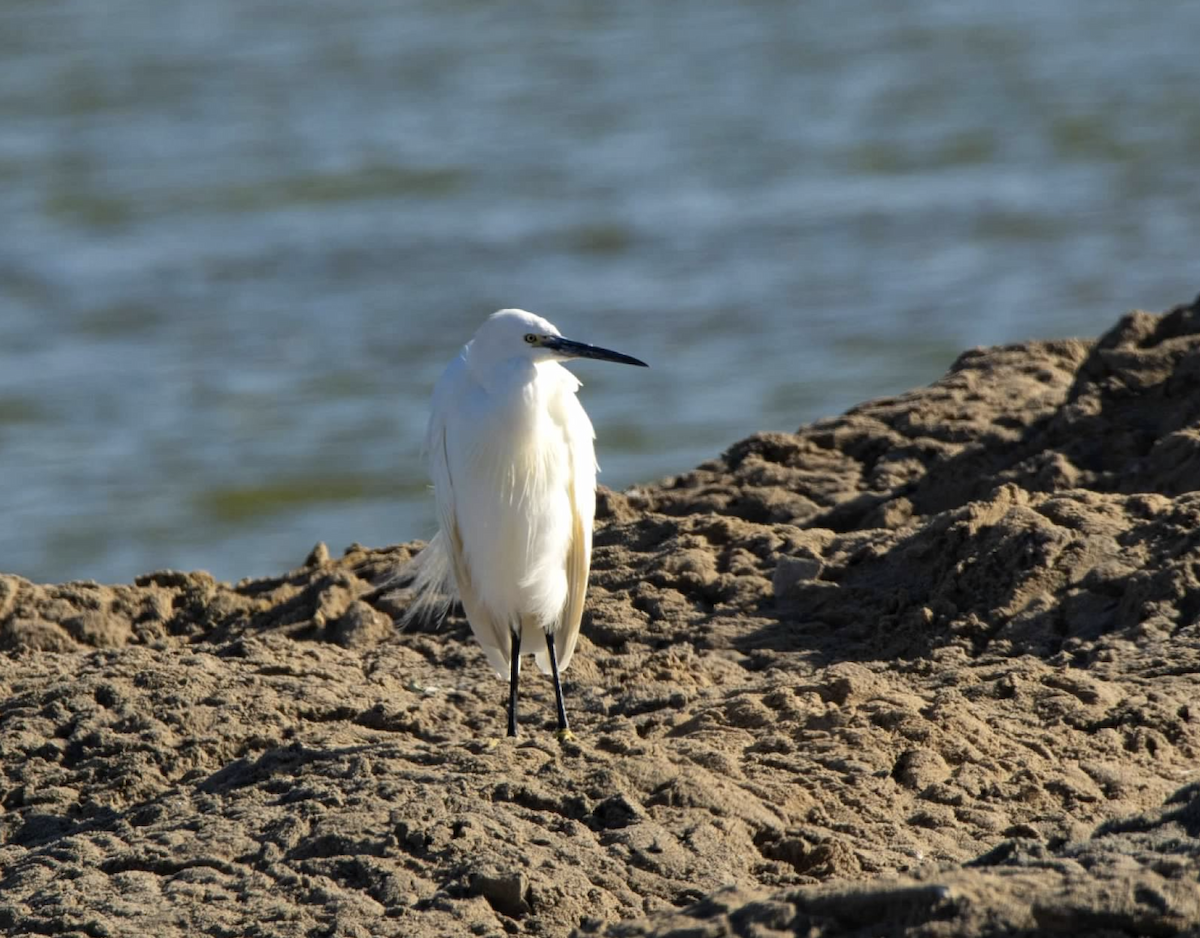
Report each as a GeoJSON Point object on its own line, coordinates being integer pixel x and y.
{"type": "Point", "coordinates": [241, 240]}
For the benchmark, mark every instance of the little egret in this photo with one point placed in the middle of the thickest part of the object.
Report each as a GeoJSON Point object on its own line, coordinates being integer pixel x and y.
{"type": "Point", "coordinates": [514, 472]}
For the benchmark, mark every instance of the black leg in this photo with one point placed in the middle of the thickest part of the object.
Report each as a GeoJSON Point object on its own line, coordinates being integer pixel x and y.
{"type": "Point", "coordinates": [513, 675]}
{"type": "Point", "coordinates": [563, 729]}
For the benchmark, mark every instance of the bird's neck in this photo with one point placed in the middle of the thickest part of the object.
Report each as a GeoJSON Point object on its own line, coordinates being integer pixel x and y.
{"type": "Point", "coordinates": [514, 375]}
{"type": "Point", "coordinates": [499, 377]}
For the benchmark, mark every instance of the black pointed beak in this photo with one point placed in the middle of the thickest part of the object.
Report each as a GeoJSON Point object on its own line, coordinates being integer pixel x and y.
{"type": "Point", "coordinates": [569, 348]}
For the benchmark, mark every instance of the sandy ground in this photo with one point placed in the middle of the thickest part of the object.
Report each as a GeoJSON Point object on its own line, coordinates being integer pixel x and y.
{"type": "Point", "coordinates": [928, 668]}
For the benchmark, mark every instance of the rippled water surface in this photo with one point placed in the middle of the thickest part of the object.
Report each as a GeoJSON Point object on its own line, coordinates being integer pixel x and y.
{"type": "Point", "coordinates": [240, 241]}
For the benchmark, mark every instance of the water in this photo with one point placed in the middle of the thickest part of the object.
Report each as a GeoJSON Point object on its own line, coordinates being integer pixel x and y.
{"type": "Point", "coordinates": [241, 240]}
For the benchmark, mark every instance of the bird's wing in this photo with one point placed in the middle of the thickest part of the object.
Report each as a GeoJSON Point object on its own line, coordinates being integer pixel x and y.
{"type": "Point", "coordinates": [493, 636]}
{"type": "Point", "coordinates": [583, 510]}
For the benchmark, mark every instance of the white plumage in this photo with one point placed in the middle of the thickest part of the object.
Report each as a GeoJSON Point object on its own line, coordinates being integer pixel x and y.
{"type": "Point", "coordinates": [514, 470]}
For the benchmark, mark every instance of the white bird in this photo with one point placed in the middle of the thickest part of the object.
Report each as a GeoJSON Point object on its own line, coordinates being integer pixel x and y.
{"type": "Point", "coordinates": [514, 471]}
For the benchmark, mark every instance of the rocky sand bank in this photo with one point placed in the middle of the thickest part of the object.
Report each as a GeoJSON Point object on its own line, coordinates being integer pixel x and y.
{"type": "Point", "coordinates": [931, 667]}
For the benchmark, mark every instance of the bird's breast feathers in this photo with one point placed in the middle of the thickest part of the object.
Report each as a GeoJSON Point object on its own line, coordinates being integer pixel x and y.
{"type": "Point", "coordinates": [521, 468]}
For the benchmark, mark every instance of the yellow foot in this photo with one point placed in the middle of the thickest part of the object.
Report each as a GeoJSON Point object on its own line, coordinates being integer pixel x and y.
{"type": "Point", "coordinates": [566, 736]}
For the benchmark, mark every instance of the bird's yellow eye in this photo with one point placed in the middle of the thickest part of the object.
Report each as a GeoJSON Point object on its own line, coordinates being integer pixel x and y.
{"type": "Point", "coordinates": [531, 338]}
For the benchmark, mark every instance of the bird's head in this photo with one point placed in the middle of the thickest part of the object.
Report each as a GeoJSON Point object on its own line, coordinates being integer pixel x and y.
{"type": "Point", "coordinates": [514, 333]}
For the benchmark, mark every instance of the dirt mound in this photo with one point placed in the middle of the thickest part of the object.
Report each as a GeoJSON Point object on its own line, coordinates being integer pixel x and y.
{"type": "Point", "coordinates": [929, 667]}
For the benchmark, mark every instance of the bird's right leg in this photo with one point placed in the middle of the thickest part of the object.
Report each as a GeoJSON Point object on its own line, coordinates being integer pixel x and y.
{"type": "Point", "coordinates": [514, 673]}
{"type": "Point", "coordinates": [564, 731]}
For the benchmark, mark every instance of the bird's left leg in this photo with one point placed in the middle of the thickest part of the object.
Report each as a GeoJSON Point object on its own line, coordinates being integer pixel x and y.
{"type": "Point", "coordinates": [513, 675]}
{"type": "Point", "coordinates": [564, 731]}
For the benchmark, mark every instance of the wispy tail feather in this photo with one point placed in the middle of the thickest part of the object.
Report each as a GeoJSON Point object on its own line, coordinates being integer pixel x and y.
{"type": "Point", "coordinates": [431, 578]}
